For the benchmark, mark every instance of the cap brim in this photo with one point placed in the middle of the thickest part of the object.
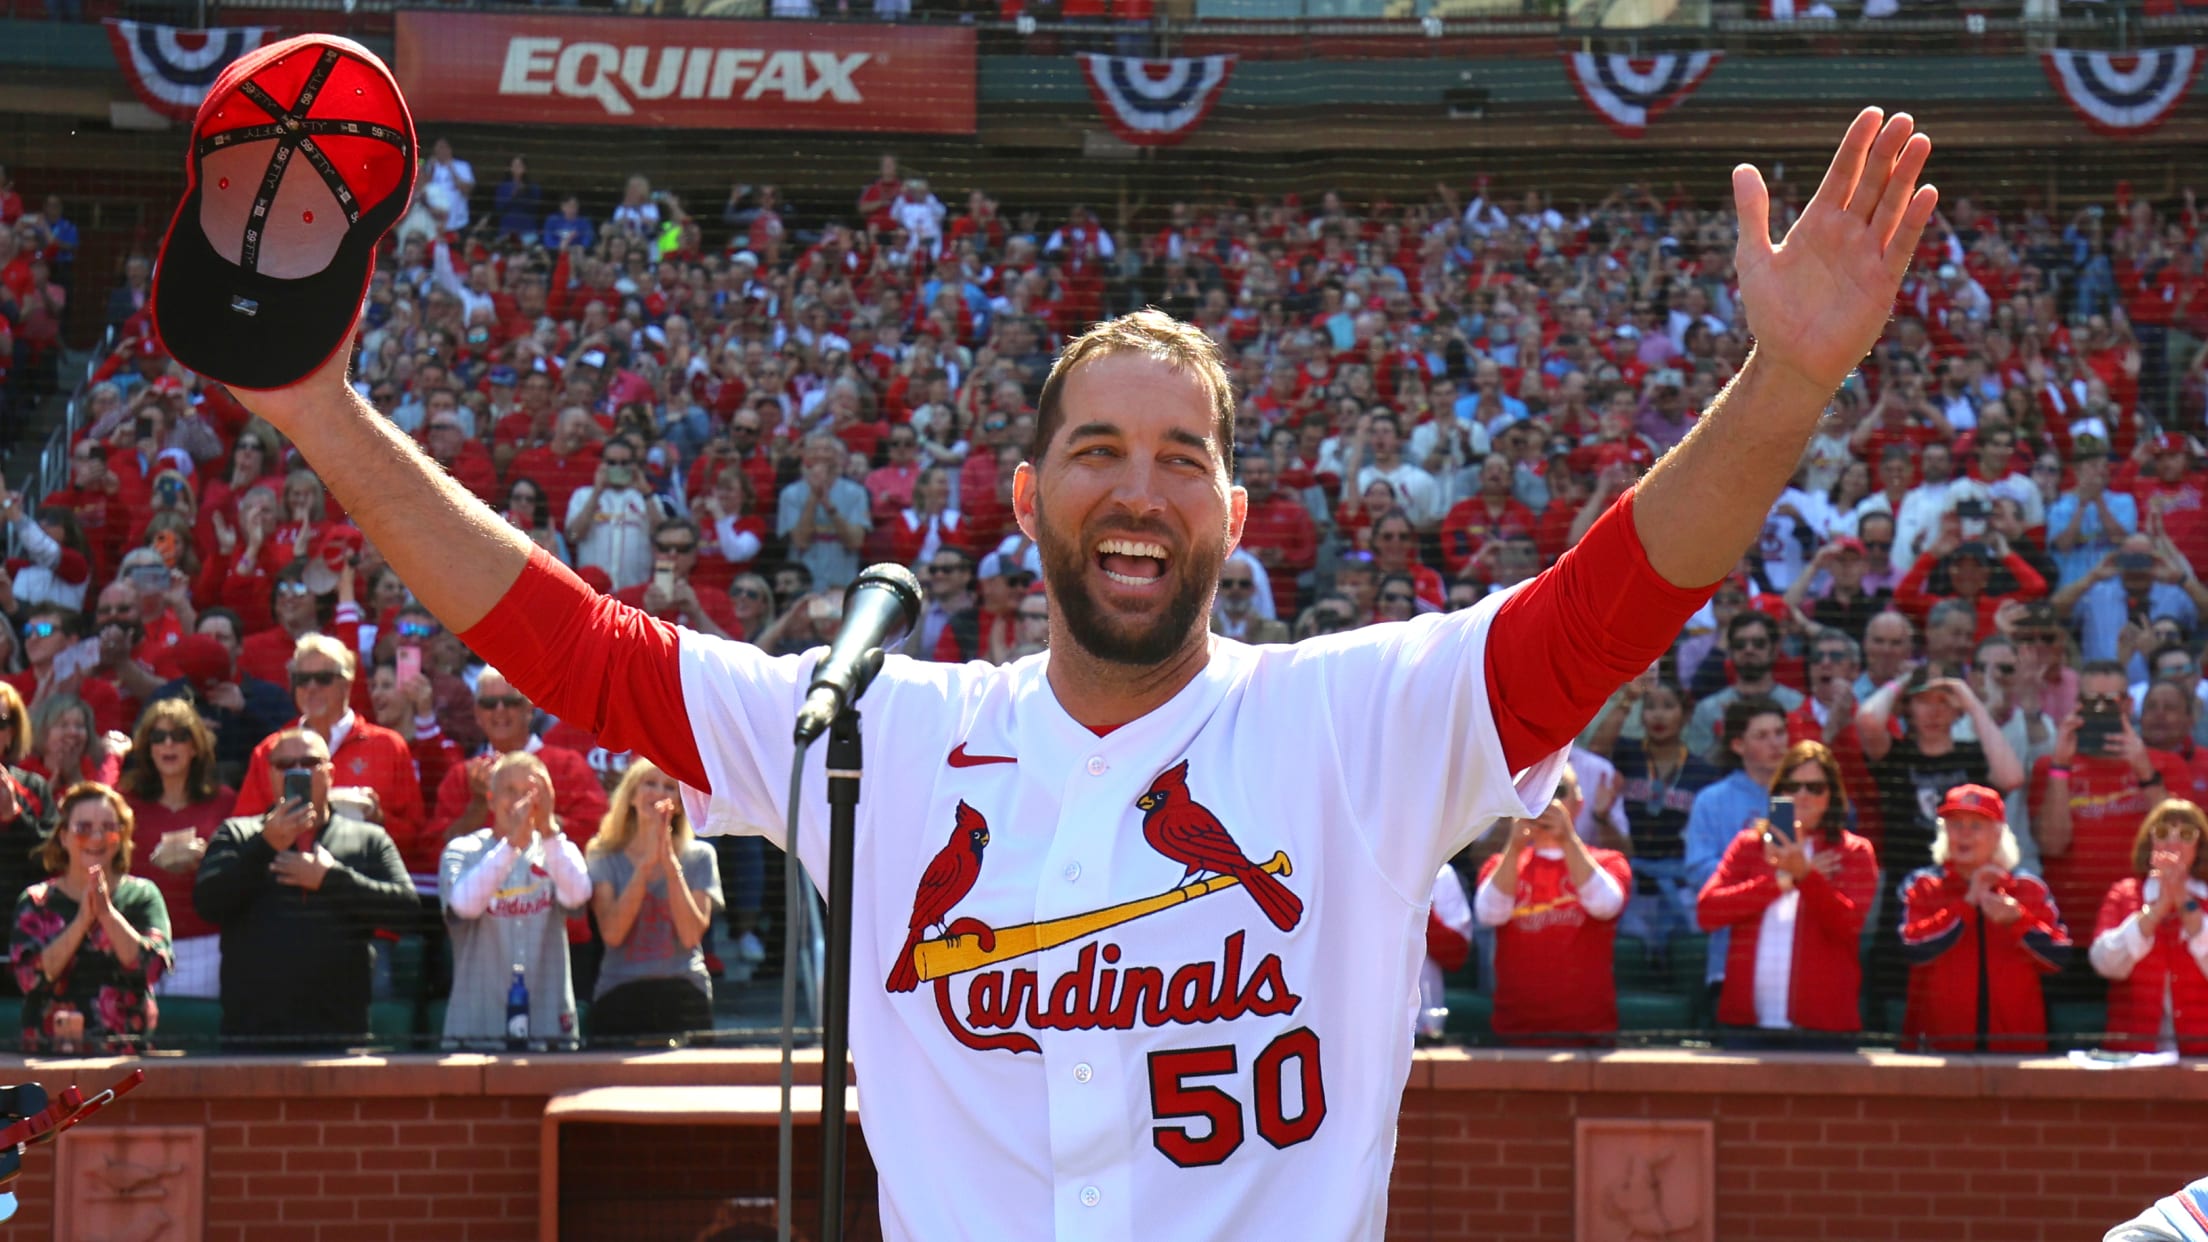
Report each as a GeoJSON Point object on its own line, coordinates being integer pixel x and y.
{"type": "Point", "coordinates": [248, 330]}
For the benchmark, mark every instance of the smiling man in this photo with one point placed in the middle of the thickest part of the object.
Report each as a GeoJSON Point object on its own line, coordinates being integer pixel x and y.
{"type": "Point", "coordinates": [1216, 856]}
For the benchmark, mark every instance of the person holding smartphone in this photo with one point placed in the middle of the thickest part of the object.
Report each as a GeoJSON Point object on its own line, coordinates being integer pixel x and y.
{"type": "Point", "coordinates": [610, 522]}
{"type": "Point", "coordinates": [1795, 888]}
{"type": "Point", "coordinates": [298, 892]}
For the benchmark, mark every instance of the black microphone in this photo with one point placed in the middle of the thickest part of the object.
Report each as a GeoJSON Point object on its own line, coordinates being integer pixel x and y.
{"type": "Point", "coordinates": [878, 608]}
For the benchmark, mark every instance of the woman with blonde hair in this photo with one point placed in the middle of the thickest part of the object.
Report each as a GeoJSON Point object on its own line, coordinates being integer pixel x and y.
{"type": "Point", "coordinates": [2152, 942]}
{"type": "Point", "coordinates": [175, 795]}
{"type": "Point", "coordinates": [67, 745]}
{"type": "Point", "coordinates": [507, 889]}
{"type": "Point", "coordinates": [89, 943]}
{"type": "Point", "coordinates": [655, 889]}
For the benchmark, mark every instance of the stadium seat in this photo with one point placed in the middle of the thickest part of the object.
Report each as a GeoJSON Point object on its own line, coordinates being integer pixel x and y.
{"type": "Point", "coordinates": [1690, 960]}
{"type": "Point", "coordinates": [1665, 1011]}
{"type": "Point", "coordinates": [391, 1022]}
{"type": "Point", "coordinates": [1634, 969]}
{"type": "Point", "coordinates": [190, 1023]}
{"type": "Point", "coordinates": [11, 1018]}
{"type": "Point", "coordinates": [1470, 1015]}
{"type": "Point", "coordinates": [2076, 1024]}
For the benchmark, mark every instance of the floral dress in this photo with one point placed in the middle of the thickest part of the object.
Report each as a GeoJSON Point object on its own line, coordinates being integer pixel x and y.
{"type": "Point", "coordinates": [117, 1002]}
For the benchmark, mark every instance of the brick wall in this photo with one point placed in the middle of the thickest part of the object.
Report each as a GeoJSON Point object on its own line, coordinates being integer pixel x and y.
{"type": "Point", "coordinates": [1834, 1147]}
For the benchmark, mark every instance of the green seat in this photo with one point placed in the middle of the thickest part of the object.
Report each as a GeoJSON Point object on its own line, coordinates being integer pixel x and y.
{"type": "Point", "coordinates": [391, 1022]}
{"type": "Point", "coordinates": [189, 1023]}
{"type": "Point", "coordinates": [1690, 961]}
{"type": "Point", "coordinates": [1665, 1011]}
{"type": "Point", "coordinates": [2076, 1024]}
{"type": "Point", "coordinates": [1470, 1015]}
{"type": "Point", "coordinates": [11, 1021]}
{"type": "Point", "coordinates": [433, 1022]}
{"type": "Point", "coordinates": [1634, 969]}
{"type": "Point", "coordinates": [407, 956]}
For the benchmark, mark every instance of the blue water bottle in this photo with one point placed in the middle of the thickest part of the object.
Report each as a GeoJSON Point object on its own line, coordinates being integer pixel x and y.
{"type": "Point", "coordinates": [517, 1012]}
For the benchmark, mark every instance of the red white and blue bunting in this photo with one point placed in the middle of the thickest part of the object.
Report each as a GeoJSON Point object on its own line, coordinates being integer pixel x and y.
{"type": "Point", "coordinates": [1630, 92]}
{"type": "Point", "coordinates": [170, 69]}
{"type": "Point", "coordinates": [1155, 103]}
{"type": "Point", "coordinates": [2123, 95]}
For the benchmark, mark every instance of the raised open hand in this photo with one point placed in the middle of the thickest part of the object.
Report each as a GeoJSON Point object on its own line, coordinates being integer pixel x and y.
{"type": "Point", "coordinates": [1818, 301]}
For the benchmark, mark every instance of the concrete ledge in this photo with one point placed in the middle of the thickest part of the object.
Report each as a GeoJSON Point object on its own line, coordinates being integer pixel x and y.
{"type": "Point", "coordinates": [1654, 1071]}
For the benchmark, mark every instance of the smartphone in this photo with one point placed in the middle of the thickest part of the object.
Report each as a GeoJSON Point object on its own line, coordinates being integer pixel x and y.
{"type": "Point", "coordinates": [150, 577]}
{"type": "Point", "coordinates": [143, 428]}
{"type": "Point", "coordinates": [79, 657]}
{"type": "Point", "coordinates": [409, 662]}
{"type": "Point", "coordinates": [1782, 820]}
{"type": "Point", "coordinates": [2098, 732]}
{"type": "Point", "coordinates": [663, 575]}
{"type": "Point", "coordinates": [299, 785]}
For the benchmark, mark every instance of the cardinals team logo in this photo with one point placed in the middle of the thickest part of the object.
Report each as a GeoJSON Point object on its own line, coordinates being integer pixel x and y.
{"type": "Point", "coordinates": [1179, 828]}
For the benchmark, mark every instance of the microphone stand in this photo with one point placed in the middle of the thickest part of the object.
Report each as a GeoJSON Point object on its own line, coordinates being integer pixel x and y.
{"type": "Point", "coordinates": [845, 759]}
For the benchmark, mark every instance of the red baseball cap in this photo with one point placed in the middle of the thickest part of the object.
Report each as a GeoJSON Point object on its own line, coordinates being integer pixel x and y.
{"type": "Point", "coordinates": [1849, 543]}
{"type": "Point", "coordinates": [2168, 443]}
{"type": "Point", "coordinates": [302, 158]}
{"type": "Point", "coordinates": [1974, 800]}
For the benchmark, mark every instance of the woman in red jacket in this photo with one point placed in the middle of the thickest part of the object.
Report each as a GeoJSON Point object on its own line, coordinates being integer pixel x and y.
{"type": "Point", "coordinates": [2152, 943]}
{"type": "Point", "coordinates": [1809, 894]}
{"type": "Point", "coordinates": [1972, 927]}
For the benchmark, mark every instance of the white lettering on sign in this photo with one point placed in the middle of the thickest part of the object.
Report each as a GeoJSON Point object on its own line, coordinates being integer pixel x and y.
{"type": "Point", "coordinates": [615, 77]}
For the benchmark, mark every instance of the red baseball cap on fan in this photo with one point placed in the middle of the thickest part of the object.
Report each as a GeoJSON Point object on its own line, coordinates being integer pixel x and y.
{"type": "Point", "coordinates": [302, 158]}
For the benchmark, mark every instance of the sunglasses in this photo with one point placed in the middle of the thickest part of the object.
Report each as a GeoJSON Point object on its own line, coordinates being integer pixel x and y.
{"type": "Point", "coordinates": [300, 680]}
{"type": "Point", "coordinates": [93, 832]}
{"type": "Point", "coordinates": [493, 702]}
{"type": "Point", "coordinates": [41, 629]}
{"type": "Point", "coordinates": [1396, 597]}
{"type": "Point", "coordinates": [946, 569]}
{"type": "Point", "coordinates": [291, 588]}
{"type": "Point", "coordinates": [749, 593]}
{"type": "Point", "coordinates": [1751, 644]}
{"type": "Point", "coordinates": [1816, 789]}
{"type": "Point", "coordinates": [297, 763]}
{"type": "Point", "coordinates": [2176, 832]}
{"type": "Point", "coordinates": [2001, 670]}
{"type": "Point", "coordinates": [1830, 656]}
{"type": "Point", "coordinates": [1878, 545]}
{"type": "Point", "coordinates": [419, 629]}
{"type": "Point", "coordinates": [677, 549]}
{"type": "Point", "coordinates": [156, 737]}
{"type": "Point", "coordinates": [1237, 584]}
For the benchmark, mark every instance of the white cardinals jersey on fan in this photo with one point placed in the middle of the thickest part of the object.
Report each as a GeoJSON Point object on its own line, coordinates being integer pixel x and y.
{"type": "Point", "coordinates": [1151, 985]}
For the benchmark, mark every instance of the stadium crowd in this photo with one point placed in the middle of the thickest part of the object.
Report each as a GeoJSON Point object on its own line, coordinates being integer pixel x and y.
{"type": "Point", "coordinates": [244, 766]}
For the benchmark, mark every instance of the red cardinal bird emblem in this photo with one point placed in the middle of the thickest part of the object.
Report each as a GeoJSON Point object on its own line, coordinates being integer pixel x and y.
{"type": "Point", "coordinates": [1179, 827]}
{"type": "Point", "coordinates": [945, 883]}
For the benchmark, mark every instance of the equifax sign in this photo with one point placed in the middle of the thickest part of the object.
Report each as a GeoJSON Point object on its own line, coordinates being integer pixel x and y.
{"type": "Point", "coordinates": [686, 73]}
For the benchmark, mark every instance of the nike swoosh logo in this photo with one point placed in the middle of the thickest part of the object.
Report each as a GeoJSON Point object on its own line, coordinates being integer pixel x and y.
{"type": "Point", "coordinates": [960, 759]}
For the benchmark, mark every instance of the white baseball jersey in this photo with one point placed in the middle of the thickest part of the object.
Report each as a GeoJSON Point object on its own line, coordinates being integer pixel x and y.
{"type": "Point", "coordinates": [1164, 979]}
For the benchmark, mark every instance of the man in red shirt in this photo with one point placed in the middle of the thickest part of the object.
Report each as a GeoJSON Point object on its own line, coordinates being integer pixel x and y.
{"type": "Point", "coordinates": [506, 716]}
{"type": "Point", "coordinates": [2087, 803]}
{"type": "Point", "coordinates": [463, 458]}
{"type": "Point", "coordinates": [2175, 495]}
{"type": "Point", "coordinates": [1554, 904]}
{"type": "Point", "coordinates": [363, 755]}
{"type": "Point", "coordinates": [1279, 532]}
{"type": "Point", "coordinates": [675, 541]}
{"type": "Point", "coordinates": [1492, 513]}
{"type": "Point", "coordinates": [569, 461]}
{"type": "Point", "coordinates": [1969, 568]}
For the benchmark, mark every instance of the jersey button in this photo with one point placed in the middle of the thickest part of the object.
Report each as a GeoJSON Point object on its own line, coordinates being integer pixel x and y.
{"type": "Point", "coordinates": [1073, 872]}
{"type": "Point", "coordinates": [1096, 765]}
{"type": "Point", "coordinates": [1091, 1196]}
{"type": "Point", "coordinates": [1082, 1072]}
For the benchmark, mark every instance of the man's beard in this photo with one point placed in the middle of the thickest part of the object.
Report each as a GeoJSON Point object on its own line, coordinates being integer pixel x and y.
{"type": "Point", "coordinates": [1065, 575]}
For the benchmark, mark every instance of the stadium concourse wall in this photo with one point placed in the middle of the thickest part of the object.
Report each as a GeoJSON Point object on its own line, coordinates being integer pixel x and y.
{"type": "Point", "coordinates": [1805, 1146]}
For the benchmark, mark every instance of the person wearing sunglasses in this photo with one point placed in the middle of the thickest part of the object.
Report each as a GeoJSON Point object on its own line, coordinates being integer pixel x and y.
{"type": "Point", "coordinates": [672, 593]}
{"type": "Point", "coordinates": [1752, 647]}
{"type": "Point", "coordinates": [90, 943]}
{"type": "Point", "coordinates": [178, 798]}
{"type": "Point", "coordinates": [363, 754]}
{"type": "Point", "coordinates": [298, 887]}
{"type": "Point", "coordinates": [2151, 941]}
{"type": "Point", "coordinates": [1238, 612]}
{"type": "Point", "coordinates": [508, 720]}
{"type": "Point", "coordinates": [1980, 933]}
{"type": "Point", "coordinates": [1796, 903]}
{"type": "Point", "coordinates": [609, 523]}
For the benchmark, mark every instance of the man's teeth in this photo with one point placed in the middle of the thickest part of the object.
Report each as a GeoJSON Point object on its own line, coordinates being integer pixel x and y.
{"type": "Point", "coordinates": [1127, 581]}
{"type": "Point", "coordinates": [1128, 547]}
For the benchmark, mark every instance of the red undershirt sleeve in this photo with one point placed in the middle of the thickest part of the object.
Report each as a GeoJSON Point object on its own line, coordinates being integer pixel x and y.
{"type": "Point", "coordinates": [594, 662]}
{"type": "Point", "coordinates": [1584, 627]}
